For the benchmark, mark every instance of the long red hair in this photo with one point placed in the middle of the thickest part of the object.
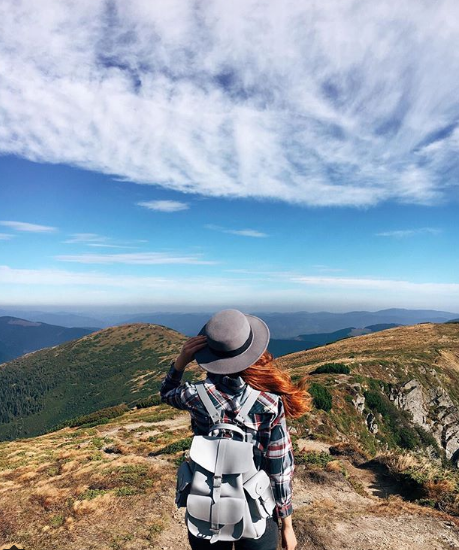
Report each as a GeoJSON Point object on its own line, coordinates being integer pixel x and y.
{"type": "Point", "coordinates": [266, 375]}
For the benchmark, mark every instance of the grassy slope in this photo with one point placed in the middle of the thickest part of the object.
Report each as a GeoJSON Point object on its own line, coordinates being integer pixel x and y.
{"type": "Point", "coordinates": [67, 492]}
{"type": "Point", "coordinates": [100, 487]}
{"type": "Point", "coordinates": [111, 487]}
{"type": "Point", "coordinates": [427, 352]}
{"type": "Point", "coordinates": [112, 366]}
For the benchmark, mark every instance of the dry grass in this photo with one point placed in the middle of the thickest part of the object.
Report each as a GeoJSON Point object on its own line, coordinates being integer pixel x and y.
{"type": "Point", "coordinates": [440, 485]}
{"type": "Point", "coordinates": [64, 487]}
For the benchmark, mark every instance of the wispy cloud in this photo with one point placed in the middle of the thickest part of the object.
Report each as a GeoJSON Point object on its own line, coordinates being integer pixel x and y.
{"type": "Point", "coordinates": [86, 238]}
{"type": "Point", "coordinates": [137, 258]}
{"type": "Point", "coordinates": [403, 233]}
{"type": "Point", "coordinates": [28, 227]}
{"type": "Point", "coordinates": [95, 240]}
{"type": "Point", "coordinates": [109, 288]}
{"type": "Point", "coordinates": [175, 94]}
{"type": "Point", "coordinates": [90, 287]}
{"type": "Point", "coordinates": [164, 206]}
{"type": "Point", "coordinates": [327, 269]}
{"type": "Point", "coordinates": [393, 285]}
{"type": "Point", "coordinates": [240, 232]}
{"type": "Point", "coordinates": [5, 236]}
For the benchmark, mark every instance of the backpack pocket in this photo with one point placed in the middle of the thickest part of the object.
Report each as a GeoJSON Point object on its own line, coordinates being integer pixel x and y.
{"type": "Point", "coordinates": [258, 487]}
{"type": "Point", "coordinates": [184, 479]}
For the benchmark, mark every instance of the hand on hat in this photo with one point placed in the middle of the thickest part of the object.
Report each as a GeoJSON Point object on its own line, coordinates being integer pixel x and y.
{"type": "Point", "coordinates": [189, 348]}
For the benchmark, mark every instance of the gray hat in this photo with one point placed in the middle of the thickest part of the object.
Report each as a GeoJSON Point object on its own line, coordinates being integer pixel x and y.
{"type": "Point", "coordinates": [235, 341]}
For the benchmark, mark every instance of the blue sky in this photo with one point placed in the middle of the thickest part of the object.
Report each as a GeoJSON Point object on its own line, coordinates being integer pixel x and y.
{"type": "Point", "coordinates": [176, 156]}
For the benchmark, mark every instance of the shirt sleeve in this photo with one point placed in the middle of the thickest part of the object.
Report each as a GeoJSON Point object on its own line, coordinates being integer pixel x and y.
{"type": "Point", "coordinates": [280, 463]}
{"type": "Point", "coordinates": [172, 391]}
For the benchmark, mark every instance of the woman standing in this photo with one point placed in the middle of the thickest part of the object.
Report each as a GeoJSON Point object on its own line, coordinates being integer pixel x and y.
{"type": "Point", "coordinates": [232, 348]}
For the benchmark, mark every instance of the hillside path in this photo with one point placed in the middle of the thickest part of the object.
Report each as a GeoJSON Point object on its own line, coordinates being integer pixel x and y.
{"type": "Point", "coordinates": [331, 515]}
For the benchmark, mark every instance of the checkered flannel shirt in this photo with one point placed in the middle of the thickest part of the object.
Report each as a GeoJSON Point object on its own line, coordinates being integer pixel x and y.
{"type": "Point", "coordinates": [272, 444]}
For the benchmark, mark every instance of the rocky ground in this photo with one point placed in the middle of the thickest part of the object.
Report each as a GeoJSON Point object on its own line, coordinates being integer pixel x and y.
{"type": "Point", "coordinates": [363, 511]}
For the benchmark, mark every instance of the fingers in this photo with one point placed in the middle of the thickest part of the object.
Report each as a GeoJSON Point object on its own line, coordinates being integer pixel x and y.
{"type": "Point", "coordinates": [195, 343]}
{"type": "Point", "coordinates": [195, 347]}
{"type": "Point", "coordinates": [196, 340]}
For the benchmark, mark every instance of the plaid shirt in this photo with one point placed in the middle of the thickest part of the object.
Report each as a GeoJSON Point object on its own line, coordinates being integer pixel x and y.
{"type": "Point", "coordinates": [271, 439]}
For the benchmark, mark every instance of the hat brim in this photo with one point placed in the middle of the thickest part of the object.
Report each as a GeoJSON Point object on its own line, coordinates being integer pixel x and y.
{"type": "Point", "coordinates": [211, 362]}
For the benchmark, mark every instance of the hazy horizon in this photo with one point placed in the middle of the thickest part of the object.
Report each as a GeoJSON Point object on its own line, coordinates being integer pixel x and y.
{"type": "Point", "coordinates": [127, 309]}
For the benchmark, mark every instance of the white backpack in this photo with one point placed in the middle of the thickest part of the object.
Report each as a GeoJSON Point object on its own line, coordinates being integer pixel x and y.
{"type": "Point", "coordinates": [226, 497]}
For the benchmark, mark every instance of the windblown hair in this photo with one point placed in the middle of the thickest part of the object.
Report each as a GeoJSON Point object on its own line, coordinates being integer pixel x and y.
{"type": "Point", "coordinates": [266, 375]}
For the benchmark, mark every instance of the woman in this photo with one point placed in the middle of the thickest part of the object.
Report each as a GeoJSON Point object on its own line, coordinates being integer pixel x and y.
{"type": "Point", "coordinates": [232, 348]}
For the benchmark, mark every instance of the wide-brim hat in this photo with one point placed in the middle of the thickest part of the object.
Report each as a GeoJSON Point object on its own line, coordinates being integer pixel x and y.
{"type": "Point", "coordinates": [235, 341]}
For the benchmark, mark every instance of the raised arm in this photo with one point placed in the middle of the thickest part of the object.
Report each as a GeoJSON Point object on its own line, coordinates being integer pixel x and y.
{"type": "Point", "coordinates": [172, 391]}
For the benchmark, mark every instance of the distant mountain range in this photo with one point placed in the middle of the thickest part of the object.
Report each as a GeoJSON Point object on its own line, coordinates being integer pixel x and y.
{"type": "Point", "coordinates": [282, 325]}
{"type": "Point", "coordinates": [21, 336]}
{"type": "Point", "coordinates": [63, 319]}
{"type": "Point", "coordinates": [309, 341]}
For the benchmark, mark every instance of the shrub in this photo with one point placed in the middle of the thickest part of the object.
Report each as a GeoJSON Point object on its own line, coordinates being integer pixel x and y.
{"type": "Point", "coordinates": [333, 368]}
{"type": "Point", "coordinates": [402, 432]}
{"type": "Point", "coordinates": [98, 417]}
{"type": "Point", "coordinates": [427, 439]}
{"type": "Point", "coordinates": [376, 402]}
{"type": "Point", "coordinates": [407, 438]}
{"type": "Point", "coordinates": [172, 448]}
{"type": "Point", "coordinates": [311, 458]}
{"type": "Point", "coordinates": [322, 398]}
{"type": "Point", "coordinates": [151, 401]}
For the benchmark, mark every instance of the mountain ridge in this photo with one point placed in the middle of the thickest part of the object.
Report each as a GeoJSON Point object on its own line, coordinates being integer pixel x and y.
{"type": "Point", "coordinates": [114, 365]}
{"type": "Point", "coordinates": [19, 336]}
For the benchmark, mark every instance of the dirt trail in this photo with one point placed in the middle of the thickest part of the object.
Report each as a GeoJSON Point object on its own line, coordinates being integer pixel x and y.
{"type": "Point", "coordinates": [331, 515]}
{"type": "Point", "coordinates": [180, 422]}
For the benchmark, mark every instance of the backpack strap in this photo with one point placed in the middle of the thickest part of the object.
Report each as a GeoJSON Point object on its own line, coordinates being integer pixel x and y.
{"type": "Point", "coordinates": [207, 402]}
{"type": "Point", "coordinates": [242, 415]}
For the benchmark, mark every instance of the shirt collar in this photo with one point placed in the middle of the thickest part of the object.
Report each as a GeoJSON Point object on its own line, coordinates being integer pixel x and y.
{"type": "Point", "coordinates": [229, 384]}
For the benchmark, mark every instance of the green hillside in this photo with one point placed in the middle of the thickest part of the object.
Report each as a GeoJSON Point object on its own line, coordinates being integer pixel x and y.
{"type": "Point", "coordinates": [116, 365]}
{"type": "Point", "coordinates": [395, 389]}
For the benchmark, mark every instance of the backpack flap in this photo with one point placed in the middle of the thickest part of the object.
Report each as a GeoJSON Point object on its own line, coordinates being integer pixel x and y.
{"type": "Point", "coordinates": [259, 488]}
{"type": "Point", "coordinates": [184, 476]}
{"type": "Point", "coordinates": [238, 454]}
{"type": "Point", "coordinates": [184, 479]}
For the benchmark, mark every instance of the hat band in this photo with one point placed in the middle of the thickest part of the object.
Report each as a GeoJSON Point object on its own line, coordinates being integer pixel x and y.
{"type": "Point", "coordinates": [234, 352]}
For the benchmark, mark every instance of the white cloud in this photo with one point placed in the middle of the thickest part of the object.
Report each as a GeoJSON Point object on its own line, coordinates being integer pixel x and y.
{"type": "Point", "coordinates": [134, 258]}
{"type": "Point", "coordinates": [240, 232]}
{"type": "Point", "coordinates": [28, 227]}
{"type": "Point", "coordinates": [65, 287]}
{"type": "Point", "coordinates": [392, 285]}
{"type": "Point", "coordinates": [164, 206]}
{"type": "Point", "coordinates": [247, 232]}
{"type": "Point", "coordinates": [326, 268]}
{"type": "Point", "coordinates": [326, 103]}
{"type": "Point", "coordinates": [58, 286]}
{"type": "Point", "coordinates": [5, 236]}
{"type": "Point", "coordinates": [403, 233]}
{"type": "Point", "coordinates": [95, 240]}
{"type": "Point", "coordinates": [86, 238]}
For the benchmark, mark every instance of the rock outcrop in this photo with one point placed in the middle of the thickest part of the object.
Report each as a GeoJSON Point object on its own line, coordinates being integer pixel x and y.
{"type": "Point", "coordinates": [433, 410]}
